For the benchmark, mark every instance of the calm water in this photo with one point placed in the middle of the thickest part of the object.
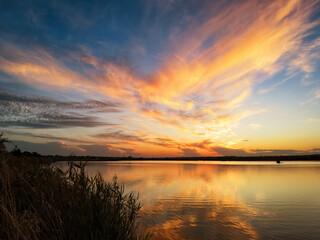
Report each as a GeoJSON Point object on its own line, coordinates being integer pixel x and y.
{"type": "Point", "coordinates": [211, 200]}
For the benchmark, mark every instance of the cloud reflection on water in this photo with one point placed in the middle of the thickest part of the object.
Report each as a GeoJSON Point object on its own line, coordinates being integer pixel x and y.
{"type": "Point", "coordinates": [186, 201]}
{"type": "Point", "coordinates": [215, 201]}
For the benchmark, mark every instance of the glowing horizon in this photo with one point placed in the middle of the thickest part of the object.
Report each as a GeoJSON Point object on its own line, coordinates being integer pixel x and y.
{"type": "Point", "coordinates": [167, 78]}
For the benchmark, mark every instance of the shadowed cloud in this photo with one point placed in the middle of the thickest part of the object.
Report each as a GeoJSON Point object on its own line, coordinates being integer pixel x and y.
{"type": "Point", "coordinates": [39, 112]}
{"type": "Point", "coordinates": [177, 77]}
{"type": "Point", "coordinates": [61, 148]}
{"type": "Point", "coordinates": [189, 152]}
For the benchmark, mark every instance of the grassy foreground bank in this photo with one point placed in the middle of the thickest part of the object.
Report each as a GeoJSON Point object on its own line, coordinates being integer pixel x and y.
{"type": "Point", "coordinates": [38, 201]}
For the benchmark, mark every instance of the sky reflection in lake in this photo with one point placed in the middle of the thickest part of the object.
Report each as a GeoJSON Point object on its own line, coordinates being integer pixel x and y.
{"type": "Point", "coordinates": [223, 201]}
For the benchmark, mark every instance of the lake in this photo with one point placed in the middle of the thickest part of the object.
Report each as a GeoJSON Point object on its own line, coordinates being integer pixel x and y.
{"type": "Point", "coordinates": [222, 200]}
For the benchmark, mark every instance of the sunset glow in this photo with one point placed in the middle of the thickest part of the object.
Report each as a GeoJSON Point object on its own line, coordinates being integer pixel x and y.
{"type": "Point", "coordinates": [161, 78]}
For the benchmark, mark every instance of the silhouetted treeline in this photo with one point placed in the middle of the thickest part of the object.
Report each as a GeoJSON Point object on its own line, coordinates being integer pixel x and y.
{"type": "Point", "coordinates": [314, 157]}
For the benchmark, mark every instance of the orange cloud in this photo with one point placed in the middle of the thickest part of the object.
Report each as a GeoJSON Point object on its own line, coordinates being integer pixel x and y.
{"type": "Point", "coordinates": [210, 71]}
{"type": "Point", "coordinates": [235, 55]}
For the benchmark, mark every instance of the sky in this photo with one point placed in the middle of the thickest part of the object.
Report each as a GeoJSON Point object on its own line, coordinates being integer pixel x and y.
{"type": "Point", "coordinates": [161, 78]}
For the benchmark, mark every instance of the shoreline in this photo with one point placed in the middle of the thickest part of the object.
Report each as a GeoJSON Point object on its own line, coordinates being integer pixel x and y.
{"type": "Point", "coordinates": [314, 157]}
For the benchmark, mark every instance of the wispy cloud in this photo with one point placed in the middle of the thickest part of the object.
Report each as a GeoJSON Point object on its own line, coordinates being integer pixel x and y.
{"type": "Point", "coordinates": [255, 126]}
{"type": "Point", "coordinates": [206, 72]}
{"type": "Point", "coordinates": [314, 97]}
{"type": "Point", "coordinates": [39, 112]}
{"type": "Point", "coordinates": [313, 120]}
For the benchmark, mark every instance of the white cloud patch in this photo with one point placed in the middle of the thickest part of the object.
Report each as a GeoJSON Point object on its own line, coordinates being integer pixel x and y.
{"type": "Point", "coordinates": [306, 80]}
{"type": "Point", "coordinates": [255, 126]}
{"type": "Point", "coordinates": [313, 120]}
{"type": "Point", "coordinates": [314, 97]}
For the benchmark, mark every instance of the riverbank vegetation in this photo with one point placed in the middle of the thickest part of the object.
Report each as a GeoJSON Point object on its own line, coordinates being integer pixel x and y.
{"type": "Point", "coordinates": [38, 201]}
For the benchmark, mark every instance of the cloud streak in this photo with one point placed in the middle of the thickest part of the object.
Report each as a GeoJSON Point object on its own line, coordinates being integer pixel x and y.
{"type": "Point", "coordinates": [200, 86]}
{"type": "Point", "coordinates": [39, 112]}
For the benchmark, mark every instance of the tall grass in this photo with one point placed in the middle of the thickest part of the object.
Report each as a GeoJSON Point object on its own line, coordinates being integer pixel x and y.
{"type": "Point", "coordinates": [38, 201]}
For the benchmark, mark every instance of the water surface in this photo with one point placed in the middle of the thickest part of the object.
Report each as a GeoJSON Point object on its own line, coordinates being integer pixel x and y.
{"type": "Point", "coordinates": [223, 200]}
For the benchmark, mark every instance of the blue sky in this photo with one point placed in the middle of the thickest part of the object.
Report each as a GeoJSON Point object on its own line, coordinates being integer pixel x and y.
{"type": "Point", "coordinates": [161, 78]}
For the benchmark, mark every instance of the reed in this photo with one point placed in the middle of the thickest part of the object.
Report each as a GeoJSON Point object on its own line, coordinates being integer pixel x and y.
{"type": "Point", "coordinates": [38, 201]}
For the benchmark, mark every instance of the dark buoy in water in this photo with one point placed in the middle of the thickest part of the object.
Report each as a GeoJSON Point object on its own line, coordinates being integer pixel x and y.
{"type": "Point", "coordinates": [278, 161]}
